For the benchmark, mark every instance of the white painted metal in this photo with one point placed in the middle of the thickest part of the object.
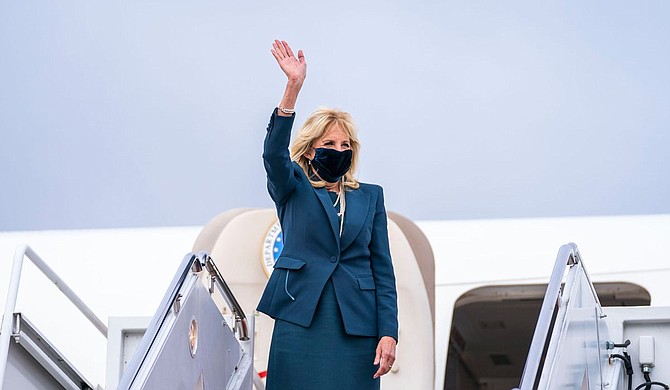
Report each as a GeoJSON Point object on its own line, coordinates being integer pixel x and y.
{"type": "Point", "coordinates": [567, 350]}
{"type": "Point", "coordinates": [631, 323]}
{"type": "Point", "coordinates": [224, 357]}
{"type": "Point", "coordinates": [566, 255]}
{"type": "Point", "coordinates": [575, 337]}
{"type": "Point", "coordinates": [646, 346]}
{"type": "Point", "coordinates": [47, 363]}
{"type": "Point", "coordinates": [123, 338]}
{"type": "Point", "coordinates": [22, 252]}
{"type": "Point", "coordinates": [576, 351]}
{"type": "Point", "coordinates": [34, 363]}
{"type": "Point", "coordinates": [24, 373]}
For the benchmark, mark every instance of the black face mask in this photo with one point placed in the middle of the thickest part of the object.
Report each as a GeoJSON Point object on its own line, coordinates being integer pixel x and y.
{"type": "Point", "coordinates": [331, 164]}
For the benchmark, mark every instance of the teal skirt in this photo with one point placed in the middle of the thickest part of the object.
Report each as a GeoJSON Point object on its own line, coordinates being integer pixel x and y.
{"type": "Point", "coordinates": [322, 356]}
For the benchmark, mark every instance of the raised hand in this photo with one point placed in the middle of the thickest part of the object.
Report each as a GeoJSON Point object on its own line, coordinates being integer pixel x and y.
{"type": "Point", "coordinates": [294, 68]}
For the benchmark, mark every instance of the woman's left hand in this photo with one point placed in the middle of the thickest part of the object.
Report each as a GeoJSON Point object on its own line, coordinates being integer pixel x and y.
{"type": "Point", "coordinates": [385, 356]}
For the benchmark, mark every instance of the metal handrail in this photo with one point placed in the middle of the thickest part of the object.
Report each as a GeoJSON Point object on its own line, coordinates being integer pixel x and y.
{"type": "Point", "coordinates": [568, 255]}
{"type": "Point", "coordinates": [192, 263]}
{"type": "Point", "coordinates": [241, 327]}
{"type": "Point", "coordinates": [22, 252]}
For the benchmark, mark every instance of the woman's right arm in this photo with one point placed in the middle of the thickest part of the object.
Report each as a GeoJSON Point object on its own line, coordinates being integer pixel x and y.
{"type": "Point", "coordinates": [295, 70]}
{"type": "Point", "coordinates": [276, 158]}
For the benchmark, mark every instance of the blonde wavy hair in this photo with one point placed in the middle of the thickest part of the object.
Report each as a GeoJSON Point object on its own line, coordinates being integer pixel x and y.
{"type": "Point", "coordinates": [314, 128]}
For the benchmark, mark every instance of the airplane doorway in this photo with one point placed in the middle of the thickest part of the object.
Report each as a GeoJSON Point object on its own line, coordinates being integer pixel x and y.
{"type": "Point", "coordinates": [492, 328]}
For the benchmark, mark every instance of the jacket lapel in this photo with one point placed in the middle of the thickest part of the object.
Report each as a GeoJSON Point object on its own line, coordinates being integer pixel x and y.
{"type": "Point", "coordinates": [327, 204]}
{"type": "Point", "coordinates": [358, 204]}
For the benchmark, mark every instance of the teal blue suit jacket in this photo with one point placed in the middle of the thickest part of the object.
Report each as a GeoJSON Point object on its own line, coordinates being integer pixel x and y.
{"type": "Point", "coordinates": [359, 262]}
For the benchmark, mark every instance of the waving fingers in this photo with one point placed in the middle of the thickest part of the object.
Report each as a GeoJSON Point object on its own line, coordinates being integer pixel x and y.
{"type": "Point", "coordinates": [294, 68]}
{"type": "Point", "coordinates": [278, 50]}
{"type": "Point", "coordinates": [289, 52]}
{"type": "Point", "coordinates": [281, 49]}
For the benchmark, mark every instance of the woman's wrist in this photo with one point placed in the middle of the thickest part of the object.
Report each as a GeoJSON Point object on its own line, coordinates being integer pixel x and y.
{"type": "Point", "coordinates": [295, 83]}
{"type": "Point", "coordinates": [296, 77]}
{"type": "Point", "coordinates": [290, 97]}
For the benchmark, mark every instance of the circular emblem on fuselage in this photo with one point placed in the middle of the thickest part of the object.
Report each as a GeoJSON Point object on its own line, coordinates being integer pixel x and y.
{"type": "Point", "coordinates": [272, 247]}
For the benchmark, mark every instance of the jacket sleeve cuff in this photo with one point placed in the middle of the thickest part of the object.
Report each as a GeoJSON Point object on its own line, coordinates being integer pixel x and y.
{"type": "Point", "coordinates": [390, 334]}
{"type": "Point", "coordinates": [275, 113]}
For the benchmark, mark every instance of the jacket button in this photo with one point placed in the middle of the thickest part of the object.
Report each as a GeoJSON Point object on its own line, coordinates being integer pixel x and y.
{"type": "Point", "coordinates": [333, 259]}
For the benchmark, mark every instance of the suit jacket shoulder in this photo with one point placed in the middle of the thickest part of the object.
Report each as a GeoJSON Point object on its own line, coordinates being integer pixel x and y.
{"type": "Point", "coordinates": [373, 189]}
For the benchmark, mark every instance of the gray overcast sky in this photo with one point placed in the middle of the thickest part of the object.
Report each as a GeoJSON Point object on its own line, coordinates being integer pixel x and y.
{"type": "Point", "coordinates": [151, 113]}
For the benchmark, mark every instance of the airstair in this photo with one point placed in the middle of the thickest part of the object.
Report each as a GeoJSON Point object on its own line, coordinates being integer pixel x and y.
{"type": "Point", "coordinates": [200, 338]}
{"type": "Point", "coordinates": [578, 344]}
{"type": "Point", "coordinates": [188, 344]}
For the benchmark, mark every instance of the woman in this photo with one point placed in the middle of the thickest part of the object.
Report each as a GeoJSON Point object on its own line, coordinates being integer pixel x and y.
{"type": "Point", "coordinates": [332, 292]}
